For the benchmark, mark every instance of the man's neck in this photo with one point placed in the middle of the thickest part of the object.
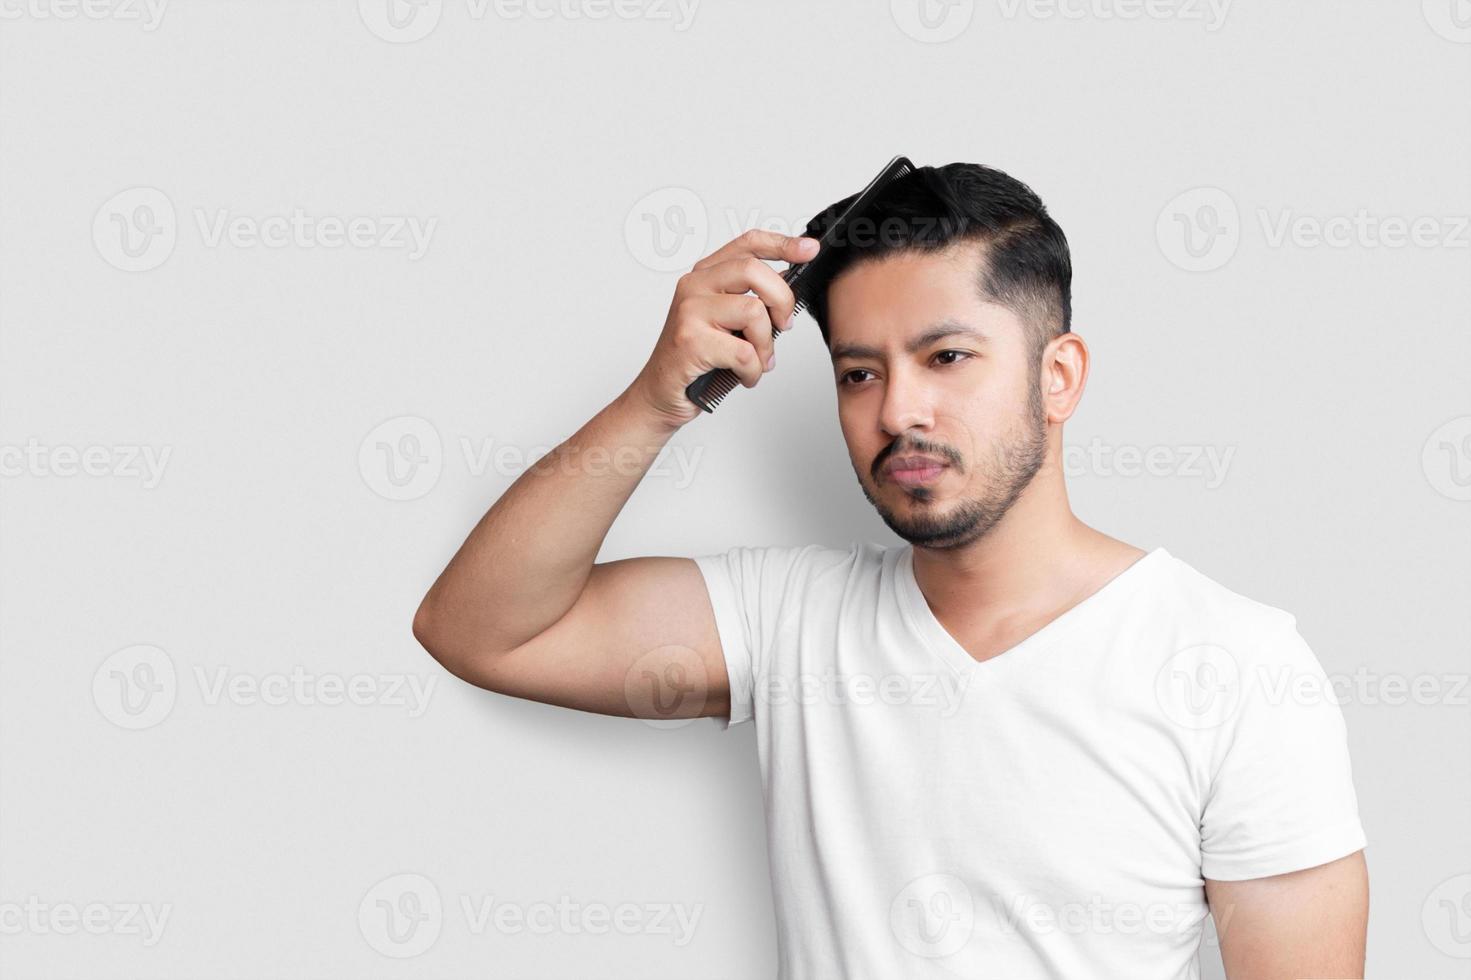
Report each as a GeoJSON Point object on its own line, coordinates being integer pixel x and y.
{"type": "Point", "coordinates": [1039, 560]}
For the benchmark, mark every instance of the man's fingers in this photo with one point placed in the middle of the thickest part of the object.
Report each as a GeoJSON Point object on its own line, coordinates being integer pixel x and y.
{"type": "Point", "coordinates": [744, 314]}
{"type": "Point", "coordinates": [750, 274]}
{"type": "Point", "coordinates": [720, 349]}
{"type": "Point", "coordinates": [762, 244]}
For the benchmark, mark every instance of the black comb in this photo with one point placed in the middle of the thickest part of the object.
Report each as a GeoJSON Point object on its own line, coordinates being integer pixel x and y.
{"type": "Point", "coordinates": [709, 388]}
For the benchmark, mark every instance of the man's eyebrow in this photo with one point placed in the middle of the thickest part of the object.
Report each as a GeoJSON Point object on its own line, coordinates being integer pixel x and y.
{"type": "Point", "coordinates": [945, 328]}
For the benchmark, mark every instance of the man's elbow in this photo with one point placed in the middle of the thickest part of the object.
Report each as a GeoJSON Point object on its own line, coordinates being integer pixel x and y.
{"type": "Point", "coordinates": [429, 629]}
{"type": "Point", "coordinates": [458, 646]}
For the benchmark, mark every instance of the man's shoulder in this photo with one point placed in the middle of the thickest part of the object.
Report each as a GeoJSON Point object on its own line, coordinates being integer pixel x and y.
{"type": "Point", "coordinates": [1204, 605]}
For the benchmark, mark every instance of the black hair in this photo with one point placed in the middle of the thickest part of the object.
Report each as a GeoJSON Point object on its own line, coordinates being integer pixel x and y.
{"type": "Point", "coordinates": [1025, 264]}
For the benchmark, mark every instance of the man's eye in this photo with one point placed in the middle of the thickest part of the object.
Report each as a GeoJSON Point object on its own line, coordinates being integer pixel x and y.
{"type": "Point", "coordinates": [847, 378]}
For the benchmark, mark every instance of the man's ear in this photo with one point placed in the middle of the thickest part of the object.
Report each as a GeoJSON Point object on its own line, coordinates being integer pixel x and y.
{"type": "Point", "coordinates": [1064, 375]}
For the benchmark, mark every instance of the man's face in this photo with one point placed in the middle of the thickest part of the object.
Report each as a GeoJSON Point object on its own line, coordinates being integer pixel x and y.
{"type": "Point", "coordinates": [912, 381]}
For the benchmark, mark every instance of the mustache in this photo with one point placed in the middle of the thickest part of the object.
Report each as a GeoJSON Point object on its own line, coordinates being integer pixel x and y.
{"type": "Point", "coordinates": [900, 448]}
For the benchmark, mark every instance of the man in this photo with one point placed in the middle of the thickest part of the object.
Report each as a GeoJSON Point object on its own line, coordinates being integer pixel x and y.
{"type": "Point", "coordinates": [1016, 747]}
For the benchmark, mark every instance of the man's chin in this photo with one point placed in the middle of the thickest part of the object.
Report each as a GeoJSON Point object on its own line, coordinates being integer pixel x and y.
{"type": "Point", "coordinates": [926, 497]}
{"type": "Point", "coordinates": [934, 539]}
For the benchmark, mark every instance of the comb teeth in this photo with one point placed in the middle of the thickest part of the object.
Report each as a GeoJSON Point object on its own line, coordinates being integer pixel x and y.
{"type": "Point", "coordinates": [721, 384]}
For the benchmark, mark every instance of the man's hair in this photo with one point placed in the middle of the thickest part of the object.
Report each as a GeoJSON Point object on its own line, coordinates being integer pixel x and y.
{"type": "Point", "coordinates": [1025, 265]}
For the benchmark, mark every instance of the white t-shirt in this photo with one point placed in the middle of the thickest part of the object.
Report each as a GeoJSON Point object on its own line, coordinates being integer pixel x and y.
{"type": "Point", "coordinates": [1049, 812]}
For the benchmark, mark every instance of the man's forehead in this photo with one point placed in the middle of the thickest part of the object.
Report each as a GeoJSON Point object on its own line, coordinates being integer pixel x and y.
{"type": "Point", "coordinates": [909, 292]}
{"type": "Point", "coordinates": [899, 305]}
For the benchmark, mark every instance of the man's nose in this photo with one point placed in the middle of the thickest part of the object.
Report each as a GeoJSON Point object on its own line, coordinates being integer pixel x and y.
{"type": "Point", "coordinates": [906, 403]}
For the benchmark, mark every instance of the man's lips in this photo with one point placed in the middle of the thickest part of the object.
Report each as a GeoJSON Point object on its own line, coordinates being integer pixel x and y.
{"type": "Point", "coordinates": [914, 469]}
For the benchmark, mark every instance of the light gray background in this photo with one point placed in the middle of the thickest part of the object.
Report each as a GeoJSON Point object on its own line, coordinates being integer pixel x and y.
{"type": "Point", "coordinates": [546, 150]}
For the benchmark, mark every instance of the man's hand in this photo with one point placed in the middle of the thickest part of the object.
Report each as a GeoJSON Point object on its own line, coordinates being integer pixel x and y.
{"type": "Point", "coordinates": [712, 323]}
{"type": "Point", "coordinates": [1308, 923]}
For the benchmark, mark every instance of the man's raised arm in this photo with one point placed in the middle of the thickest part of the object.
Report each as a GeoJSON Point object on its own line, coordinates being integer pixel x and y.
{"type": "Point", "coordinates": [522, 608]}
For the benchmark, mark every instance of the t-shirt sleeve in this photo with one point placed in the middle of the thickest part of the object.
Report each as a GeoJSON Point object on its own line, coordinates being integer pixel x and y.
{"type": "Point", "coordinates": [747, 587]}
{"type": "Point", "coordinates": [1282, 796]}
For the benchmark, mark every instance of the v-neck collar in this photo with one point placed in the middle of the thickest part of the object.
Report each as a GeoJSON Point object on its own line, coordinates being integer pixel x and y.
{"type": "Point", "coordinates": [923, 621]}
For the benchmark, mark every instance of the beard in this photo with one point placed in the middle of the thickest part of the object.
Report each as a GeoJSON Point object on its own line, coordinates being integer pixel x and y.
{"type": "Point", "coordinates": [1016, 460]}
